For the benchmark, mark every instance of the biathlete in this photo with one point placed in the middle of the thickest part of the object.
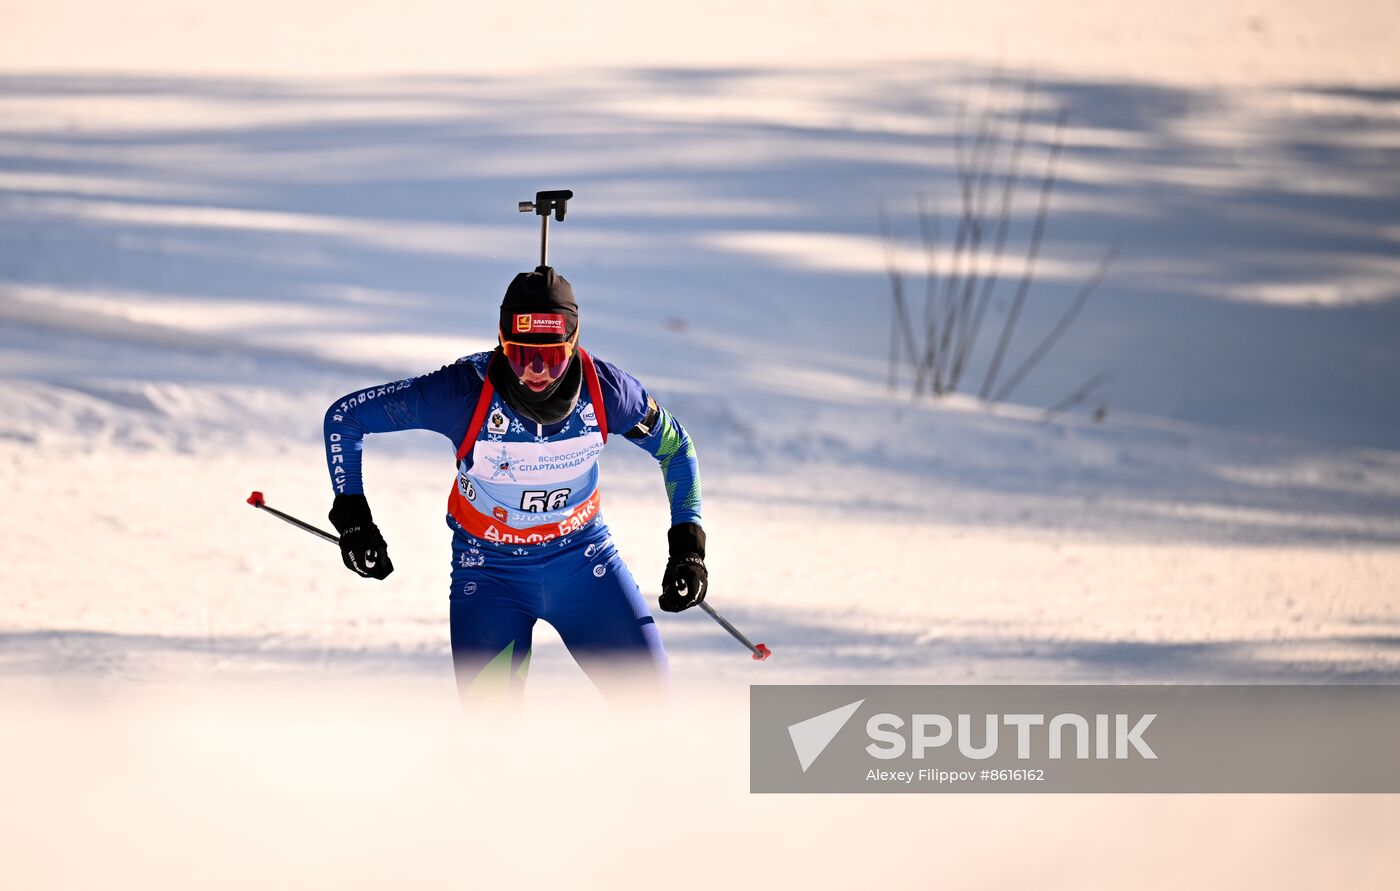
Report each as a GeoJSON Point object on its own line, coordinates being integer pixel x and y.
{"type": "Point", "coordinates": [528, 420]}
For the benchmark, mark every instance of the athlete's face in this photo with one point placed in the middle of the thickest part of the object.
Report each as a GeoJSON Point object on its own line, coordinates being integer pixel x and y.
{"type": "Point", "coordinates": [537, 381]}
{"type": "Point", "coordinates": [537, 366]}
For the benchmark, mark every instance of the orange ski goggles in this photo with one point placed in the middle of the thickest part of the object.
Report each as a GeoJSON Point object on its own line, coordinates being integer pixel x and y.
{"type": "Point", "coordinates": [550, 358]}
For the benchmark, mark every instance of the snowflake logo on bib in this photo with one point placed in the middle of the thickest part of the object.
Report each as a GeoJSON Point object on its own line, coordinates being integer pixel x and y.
{"type": "Point", "coordinates": [501, 466]}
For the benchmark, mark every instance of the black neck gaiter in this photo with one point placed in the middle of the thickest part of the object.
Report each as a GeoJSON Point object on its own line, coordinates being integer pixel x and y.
{"type": "Point", "coordinates": [549, 406]}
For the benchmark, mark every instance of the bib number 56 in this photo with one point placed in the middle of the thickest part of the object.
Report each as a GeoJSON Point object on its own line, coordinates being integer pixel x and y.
{"type": "Point", "coordinates": [537, 501]}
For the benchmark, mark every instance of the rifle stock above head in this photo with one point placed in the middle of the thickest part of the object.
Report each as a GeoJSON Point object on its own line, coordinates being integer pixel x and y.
{"type": "Point", "coordinates": [545, 203]}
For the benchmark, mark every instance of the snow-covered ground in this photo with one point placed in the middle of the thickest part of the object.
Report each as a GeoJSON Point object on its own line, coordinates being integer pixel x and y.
{"type": "Point", "coordinates": [212, 225]}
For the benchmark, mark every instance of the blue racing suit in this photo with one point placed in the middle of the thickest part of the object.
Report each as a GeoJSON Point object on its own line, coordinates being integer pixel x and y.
{"type": "Point", "coordinates": [529, 541]}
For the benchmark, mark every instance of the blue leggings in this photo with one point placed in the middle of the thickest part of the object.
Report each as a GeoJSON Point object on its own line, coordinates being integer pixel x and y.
{"type": "Point", "coordinates": [580, 586]}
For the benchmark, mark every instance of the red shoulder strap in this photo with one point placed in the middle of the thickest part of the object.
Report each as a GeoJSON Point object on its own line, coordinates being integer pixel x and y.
{"type": "Point", "coordinates": [595, 391]}
{"type": "Point", "coordinates": [483, 404]}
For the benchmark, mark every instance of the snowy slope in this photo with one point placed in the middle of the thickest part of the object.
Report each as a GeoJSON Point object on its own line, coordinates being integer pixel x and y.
{"type": "Point", "coordinates": [184, 292]}
{"type": "Point", "coordinates": [208, 232]}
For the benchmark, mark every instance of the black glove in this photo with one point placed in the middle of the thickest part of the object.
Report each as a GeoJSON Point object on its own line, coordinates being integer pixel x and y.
{"type": "Point", "coordinates": [686, 580]}
{"type": "Point", "coordinates": [361, 546]}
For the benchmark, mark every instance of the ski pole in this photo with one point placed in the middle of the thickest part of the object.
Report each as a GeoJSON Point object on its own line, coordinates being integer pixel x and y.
{"type": "Point", "coordinates": [256, 500]}
{"type": "Point", "coordinates": [760, 651]}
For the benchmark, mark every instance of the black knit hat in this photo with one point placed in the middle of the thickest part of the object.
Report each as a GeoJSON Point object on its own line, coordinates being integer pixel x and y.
{"type": "Point", "coordinates": [539, 307]}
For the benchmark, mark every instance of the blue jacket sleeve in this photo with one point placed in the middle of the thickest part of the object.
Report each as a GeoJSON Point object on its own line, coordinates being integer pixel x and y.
{"type": "Point", "coordinates": [626, 402]}
{"type": "Point", "coordinates": [440, 401]}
